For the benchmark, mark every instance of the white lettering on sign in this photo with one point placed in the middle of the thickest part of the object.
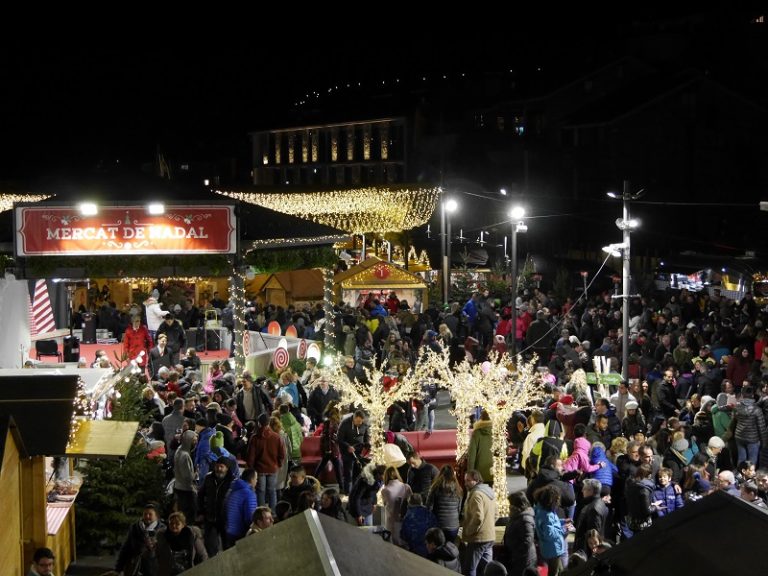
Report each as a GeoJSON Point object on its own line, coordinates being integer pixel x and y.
{"type": "Point", "coordinates": [127, 233]}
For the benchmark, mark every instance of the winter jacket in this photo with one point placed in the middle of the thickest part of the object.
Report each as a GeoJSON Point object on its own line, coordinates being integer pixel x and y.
{"type": "Point", "coordinates": [447, 556]}
{"type": "Point", "coordinates": [293, 430]}
{"type": "Point", "coordinates": [210, 498]}
{"type": "Point", "coordinates": [480, 453]}
{"type": "Point", "coordinates": [676, 462]}
{"type": "Point", "coordinates": [671, 499]}
{"type": "Point", "coordinates": [260, 402]}
{"type": "Point", "coordinates": [666, 398]}
{"type": "Point", "coordinates": [202, 452]}
{"type": "Point", "coordinates": [239, 506]}
{"type": "Point", "coordinates": [479, 515]}
{"type": "Point", "coordinates": [519, 542]}
{"type": "Point", "coordinates": [135, 549]}
{"type": "Point", "coordinates": [579, 459]}
{"type": "Point", "coordinates": [593, 515]}
{"type": "Point", "coordinates": [420, 479]}
{"type": "Point", "coordinates": [394, 494]}
{"type": "Point", "coordinates": [362, 497]}
{"type": "Point", "coordinates": [418, 519]}
{"type": "Point", "coordinates": [721, 420]}
{"type": "Point", "coordinates": [183, 466]}
{"type": "Point", "coordinates": [608, 471]}
{"type": "Point", "coordinates": [750, 422]}
{"type": "Point", "coordinates": [633, 424]}
{"type": "Point", "coordinates": [446, 506]}
{"type": "Point", "coordinates": [351, 435]}
{"type": "Point", "coordinates": [266, 451]}
{"type": "Point", "coordinates": [548, 476]}
{"type": "Point", "coordinates": [177, 553]}
{"type": "Point", "coordinates": [550, 532]}
{"type": "Point", "coordinates": [317, 402]}
{"type": "Point", "coordinates": [639, 499]}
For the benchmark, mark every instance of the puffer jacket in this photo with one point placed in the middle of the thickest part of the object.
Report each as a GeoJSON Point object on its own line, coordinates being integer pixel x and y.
{"type": "Point", "coordinates": [550, 533]}
{"type": "Point", "coordinates": [447, 556]}
{"type": "Point", "coordinates": [750, 422]}
{"type": "Point", "coordinates": [239, 506]}
{"type": "Point", "coordinates": [608, 471]}
{"type": "Point", "coordinates": [639, 499]}
{"type": "Point", "coordinates": [519, 542]}
{"type": "Point", "coordinates": [446, 506]}
{"type": "Point", "coordinates": [579, 459]}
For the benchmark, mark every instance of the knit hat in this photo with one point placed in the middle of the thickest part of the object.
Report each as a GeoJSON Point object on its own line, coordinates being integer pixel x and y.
{"type": "Point", "coordinates": [217, 440]}
{"type": "Point", "coordinates": [722, 400]}
{"type": "Point", "coordinates": [631, 405]}
{"type": "Point", "coordinates": [680, 445]}
{"type": "Point", "coordinates": [566, 399]}
{"type": "Point", "coordinates": [716, 442]}
{"type": "Point", "coordinates": [706, 399]}
{"type": "Point", "coordinates": [495, 568]}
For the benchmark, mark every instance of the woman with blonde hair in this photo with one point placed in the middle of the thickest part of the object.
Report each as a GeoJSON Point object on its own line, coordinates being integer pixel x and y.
{"type": "Point", "coordinates": [578, 388]}
{"type": "Point", "coordinates": [394, 494]}
{"type": "Point", "coordinates": [282, 473]}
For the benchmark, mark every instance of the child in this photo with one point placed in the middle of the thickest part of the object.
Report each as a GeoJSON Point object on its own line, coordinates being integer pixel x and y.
{"type": "Point", "coordinates": [605, 473]}
{"type": "Point", "coordinates": [665, 491]}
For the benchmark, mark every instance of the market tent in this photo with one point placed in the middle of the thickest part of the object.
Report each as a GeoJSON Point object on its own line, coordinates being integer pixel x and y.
{"type": "Point", "coordinates": [719, 534]}
{"type": "Point", "coordinates": [381, 277]}
{"type": "Point", "coordinates": [312, 543]}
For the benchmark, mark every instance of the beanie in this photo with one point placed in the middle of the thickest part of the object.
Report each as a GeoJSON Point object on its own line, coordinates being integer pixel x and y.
{"type": "Point", "coordinates": [217, 440]}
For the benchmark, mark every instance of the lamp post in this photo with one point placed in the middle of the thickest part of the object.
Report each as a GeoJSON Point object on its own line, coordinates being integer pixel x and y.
{"type": "Point", "coordinates": [516, 214]}
{"type": "Point", "coordinates": [448, 206]}
{"type": "Point", "coordinates": [626, 225]}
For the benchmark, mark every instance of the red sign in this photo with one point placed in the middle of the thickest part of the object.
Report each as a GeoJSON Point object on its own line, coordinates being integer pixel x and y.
{"type": "Point", "coordinates": [48, 231]}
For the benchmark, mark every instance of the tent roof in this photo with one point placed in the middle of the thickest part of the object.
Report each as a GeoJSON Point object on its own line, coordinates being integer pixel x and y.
{"type": "Point", "coordinates": [312, 543]}
{"type": "Point", "coordinates": [374, 272]}
{"type": "Point", "coordinates": [678, 543]}
{"type": "Point", "coordinates": [300, 284]}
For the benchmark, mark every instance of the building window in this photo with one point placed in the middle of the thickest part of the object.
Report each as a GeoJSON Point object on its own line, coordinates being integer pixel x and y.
{"type": "Point", "coordinates": [384, 140]}
{"type": "Point", "coordinates": [315, 145]}
{"type": "Point", "coordinates": [278, 142]}
{"type": "Point", "coordinates": [350, 143]}
{"type": "Point", "coordinates": [291, 147]}
{"type": "Point", "coordinates": [334, 145]}
{"type": "Point", "coordinates": [305, 147]}
{"type": "Point", "coordinates": [367, 142]}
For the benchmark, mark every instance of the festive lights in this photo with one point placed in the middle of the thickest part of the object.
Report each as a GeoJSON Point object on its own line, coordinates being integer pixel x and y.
{"type": "Point", "coordinates": [299, 241]}
{"type": "Point", "coordinates": [498, 388]}
{"type": "Point", "coordinates": [82, 409]}
{"type": "Point", "coordinates": [330, 315]}
{"type": "Point", "coordinates": [357, 211]}
{"type": "Point", "coordinates": [237, 299]}
{"type": "Point", "coordinates": [8, 200]}
{"type": "Point", "coordinates": [373, 398]}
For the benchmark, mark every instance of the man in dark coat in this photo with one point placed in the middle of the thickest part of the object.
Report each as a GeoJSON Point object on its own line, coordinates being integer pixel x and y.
{"type": "Point", "coordinates": [421, 474]}
{"type": "Point", "coordinates": [594, 514]}
{"type": "Point", "coordinates": [211, 503]}
{"type": "Point", "coordinates": [551, 472]}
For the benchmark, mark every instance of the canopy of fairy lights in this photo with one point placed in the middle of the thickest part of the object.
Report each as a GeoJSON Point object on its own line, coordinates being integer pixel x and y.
{"type": "Point", "coordinates": [357, 211]}
{"type": "Point", "coordinates": [8, 200]}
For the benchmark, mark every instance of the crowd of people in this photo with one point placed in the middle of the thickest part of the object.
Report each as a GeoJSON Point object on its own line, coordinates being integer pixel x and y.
{"type": "Point", "coordinates": [690, 420]}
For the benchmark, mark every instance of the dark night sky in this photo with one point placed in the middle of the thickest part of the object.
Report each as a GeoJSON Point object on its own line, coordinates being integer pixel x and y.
{"type": "Point", "coordinates": [86, 94]}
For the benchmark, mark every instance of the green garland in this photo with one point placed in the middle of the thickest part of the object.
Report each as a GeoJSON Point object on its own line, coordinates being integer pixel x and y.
{"type": "Point", "coordinates": [122, 266]}
{"type": "Point", "coordinates": [281, 260]}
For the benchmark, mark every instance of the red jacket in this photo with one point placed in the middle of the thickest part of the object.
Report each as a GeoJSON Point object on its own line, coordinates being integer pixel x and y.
{"type": "Point", "coordinates": [134, 341]}
{"type": "Point", "coordinates": [266, 452]}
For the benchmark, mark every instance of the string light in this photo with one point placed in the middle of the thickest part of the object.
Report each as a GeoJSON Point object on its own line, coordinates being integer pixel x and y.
{"type": "Point", "coordinates": [8, 200]}
{"type": "Point", "coordinates": [357, 211]}
{"type": "Point", "coordinates": [150, 280]}
{"type": "Point", "coordinates": [298, 241]}
{"type": "Point", "coordinates": [330, 314]}
{"type": "Point", "coordinates": [374, 398]}
{"type": "Point", "coordinates": [237, 299]}
{"type": "Point", "coordinates": [82, 409]}
{"type": "Point", "coordinates": [497, 386]}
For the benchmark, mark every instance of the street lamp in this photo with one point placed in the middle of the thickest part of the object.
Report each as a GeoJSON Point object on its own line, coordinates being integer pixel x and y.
{"type": "Point", "coordinates": [448, 207]}
{"type": "Point", "coordinates": [517, 213]}
{"type": "Point", "coordinates": [626, 225]}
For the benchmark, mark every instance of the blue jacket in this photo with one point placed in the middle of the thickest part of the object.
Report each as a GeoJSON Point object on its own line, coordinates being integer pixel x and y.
{"type": "Point", "coordinates": [239, 506]}
{"type": "Point", "coordinates": [605, 474]}
{"type": "Point", "coordinates": [202, 463]}
{"type": "Point", "coordinates": [671, 500]}
{"type": "Point", "coordinates": [418, 519]}
{"type": "Point", "coordinates": [550, 533]}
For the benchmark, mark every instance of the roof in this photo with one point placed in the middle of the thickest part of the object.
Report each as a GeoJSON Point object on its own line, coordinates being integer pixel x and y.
{"type": "Point", "coordinates": [376, 272]}
{"type": "Point", "coordinates": [300, 284]}
{"type": "Point", "coordinates": [678, 543]}
{"type": "Point", "coordinates": [312, 543]}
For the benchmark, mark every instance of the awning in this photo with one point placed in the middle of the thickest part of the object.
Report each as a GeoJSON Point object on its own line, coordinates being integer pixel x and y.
{"type": "Point", "coordinates": [103, 439]}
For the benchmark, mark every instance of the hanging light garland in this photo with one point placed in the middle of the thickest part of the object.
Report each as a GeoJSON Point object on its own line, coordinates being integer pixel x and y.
{"type": "Point", "coordinates": [330, 315]}
{"type": "Point", "coordinates": [8, 200]}
{"type": "Point", "coordinates": [357, 211]}
{"type": "Point", "coordinates": [238, 299]}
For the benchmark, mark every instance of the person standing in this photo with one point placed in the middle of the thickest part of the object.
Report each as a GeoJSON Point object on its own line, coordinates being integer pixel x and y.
{"type": "Point", "coordinates": [478, 530]}
{"type": "Point", "coordinates": [211, 503]}
{"type": "Point", "coordinates": [174, 331]}
{"type": "Point", "coordinates": [239, 505]}
{"type": "Point", "coordinates": [160, 356]}
{"type": "Point", "coordinates": [138, 553]}
{"type": "Point", "coordinates": [136, 339]}
{"type": "Point", "coordinates": [480, 454]}
{"type": "Point", "coordinates": [394, 494]}
{"type": "Point", "coordinates": [353, 437]}
{"type": "Point", "coordinates": [550, 530]}
{"type": "Point", "coordinates": [266, 453]}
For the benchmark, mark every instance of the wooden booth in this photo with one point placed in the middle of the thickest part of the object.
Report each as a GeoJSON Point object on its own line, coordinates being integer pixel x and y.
{"type": "Point", "coordinates": [376, 276]}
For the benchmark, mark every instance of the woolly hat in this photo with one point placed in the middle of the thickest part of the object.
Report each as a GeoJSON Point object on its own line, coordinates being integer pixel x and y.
{"type": "Point", "coordinates": [706, 400]}
{"type": "Point", "coordinates": [680, 445]}
{"type": "Point", "coordinates": [631, 405]}
{"type": "Point", "coordinates": [217, 440]}
{"type": "Point", "coordinates": [722, 399]}
{"type": "Point", "coordinates": [716, 442]}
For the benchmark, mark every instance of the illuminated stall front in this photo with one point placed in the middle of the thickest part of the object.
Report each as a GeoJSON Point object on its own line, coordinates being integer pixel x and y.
{"type": "Point", "coordinates": [380, 278]}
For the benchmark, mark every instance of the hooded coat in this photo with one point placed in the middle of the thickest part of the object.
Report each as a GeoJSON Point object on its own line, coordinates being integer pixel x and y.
{"type": "Point", "coordinates": [479, 515]}
{"type": "Point", "coordinates": [480, 453]}
{"type": "Point", "coordinates": [579, 459]}
{"type": "Point", "coordinates": [447, 556]}
{"type": "Point", "coordinates": [362, 497]}
{"type": "Point", "coordinates": [183, 466]}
